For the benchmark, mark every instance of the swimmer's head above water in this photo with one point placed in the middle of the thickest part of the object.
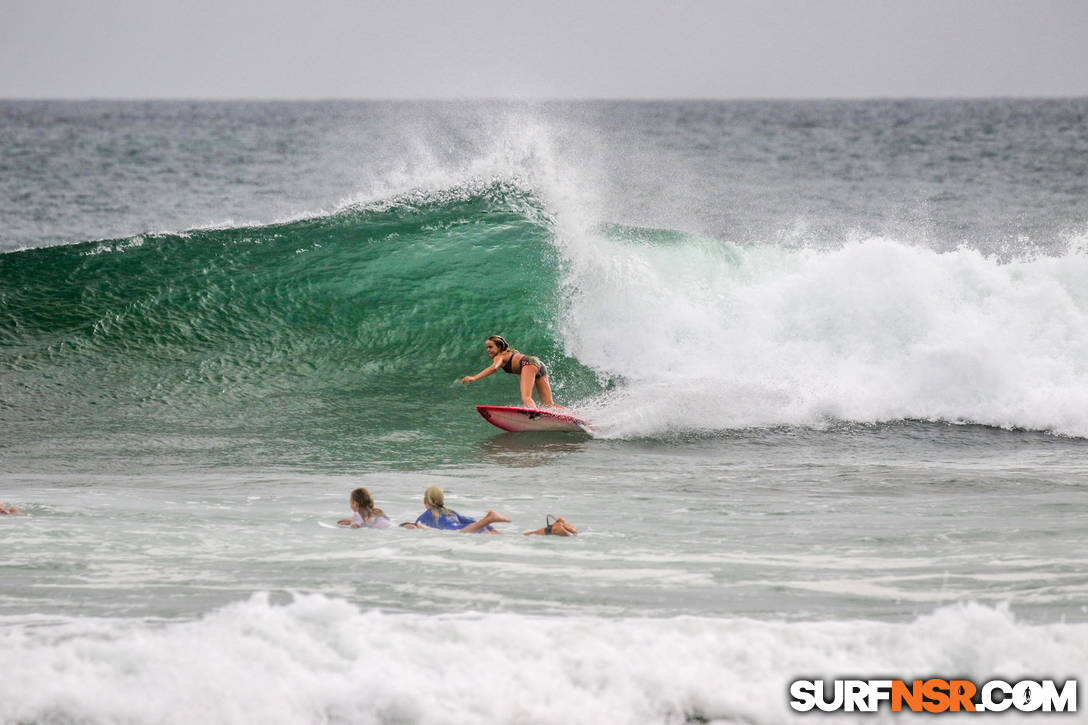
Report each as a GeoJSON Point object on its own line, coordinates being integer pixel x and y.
{"type": "Point", "coordinates": [362, 501]}
{"type": "Point", "coordinates": [433, 498]}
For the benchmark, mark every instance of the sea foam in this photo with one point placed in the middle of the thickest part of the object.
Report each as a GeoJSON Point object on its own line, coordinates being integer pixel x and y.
{"type": "Point", "coordinates": [707, 335]}
{"type": "Point", "coordinates": [314, 659]}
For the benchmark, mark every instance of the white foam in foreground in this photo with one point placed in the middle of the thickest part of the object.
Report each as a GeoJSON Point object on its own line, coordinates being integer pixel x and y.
{"type": "Point", "coordinates": [321, 660]}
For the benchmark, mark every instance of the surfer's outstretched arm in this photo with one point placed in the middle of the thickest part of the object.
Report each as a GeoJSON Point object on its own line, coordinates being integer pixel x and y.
{"type": "Point", "coordinates": [499, 354]}
{"type": "Point", "coordinates": [482, 374]}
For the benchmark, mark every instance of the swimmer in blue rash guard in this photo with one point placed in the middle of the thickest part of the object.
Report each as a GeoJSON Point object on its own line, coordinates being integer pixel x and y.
{"type": "Point", "coordinates": [437, 516]}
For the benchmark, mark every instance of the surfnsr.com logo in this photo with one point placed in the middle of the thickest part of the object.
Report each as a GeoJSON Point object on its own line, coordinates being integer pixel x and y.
{"type": "Point", "coordinates": [933, 695]}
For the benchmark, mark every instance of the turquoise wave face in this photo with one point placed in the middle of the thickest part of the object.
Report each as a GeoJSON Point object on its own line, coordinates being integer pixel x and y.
{"type": "Point", "coordinates": [303, 341]}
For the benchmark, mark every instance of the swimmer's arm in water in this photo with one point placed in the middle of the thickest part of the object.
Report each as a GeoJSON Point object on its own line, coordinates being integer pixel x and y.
{"type": "Point", "coordinates": [355, 522]}
{"type": "Point", "coordinates": [497, 365]}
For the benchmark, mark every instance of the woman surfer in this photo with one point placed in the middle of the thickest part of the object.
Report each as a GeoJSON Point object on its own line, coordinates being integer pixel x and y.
{"type": "Point", "coordinates": [530, 368]}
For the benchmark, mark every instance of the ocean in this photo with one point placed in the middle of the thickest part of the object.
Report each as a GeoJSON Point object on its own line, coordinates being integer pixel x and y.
{"type": "Point", "coordinates": [834, 355]}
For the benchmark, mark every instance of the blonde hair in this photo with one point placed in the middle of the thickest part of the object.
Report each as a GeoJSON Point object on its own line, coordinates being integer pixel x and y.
{"type": "Point", "coordinates": [500, 342]}
{"type": "Point", "coordinates": [434, 498]}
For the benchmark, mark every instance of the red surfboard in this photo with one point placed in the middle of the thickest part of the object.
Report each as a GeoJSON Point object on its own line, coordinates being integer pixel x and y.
{"type": "Point", "coordinates": [519, 420]}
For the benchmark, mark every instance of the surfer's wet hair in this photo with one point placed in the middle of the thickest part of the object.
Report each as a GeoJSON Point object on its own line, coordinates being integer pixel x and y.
{"type": "Point", "coordinates": [365, 502]}
{"type": "Point", "coordinates": [500, 341]}
{"type": "Point", "coordinates": [434, 498]}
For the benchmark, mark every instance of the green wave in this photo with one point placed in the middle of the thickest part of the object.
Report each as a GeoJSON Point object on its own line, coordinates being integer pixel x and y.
{"type": "Point", "coordinates": [307, 333]}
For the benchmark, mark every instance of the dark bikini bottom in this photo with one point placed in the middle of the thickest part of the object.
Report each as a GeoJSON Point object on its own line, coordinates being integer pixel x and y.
{"type": "Point", "coordinates": [542, 369]}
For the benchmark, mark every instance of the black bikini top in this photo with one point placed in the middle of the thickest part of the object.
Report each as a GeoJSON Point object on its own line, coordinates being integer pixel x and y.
{"type": "Point", "coordinates": [509, 366]}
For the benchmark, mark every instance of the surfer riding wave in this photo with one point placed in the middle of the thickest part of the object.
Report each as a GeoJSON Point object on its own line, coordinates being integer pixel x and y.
{"type": "Point", "coordinates": [533, 372]}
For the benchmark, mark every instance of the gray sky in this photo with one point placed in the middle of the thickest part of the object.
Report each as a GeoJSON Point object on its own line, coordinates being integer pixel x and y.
{"type": "Point", "coordinates": [542, 49]}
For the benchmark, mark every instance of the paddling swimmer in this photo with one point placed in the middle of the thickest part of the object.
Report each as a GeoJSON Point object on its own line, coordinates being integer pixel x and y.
{"type": "Point", "coordinates": [365, 515]}
{"type": "Point", "coordinates": [531, 369]}
{"type": "Point", "coordinates": [438, 516]}
{"type": "Point", "coordinates": [9, 510]}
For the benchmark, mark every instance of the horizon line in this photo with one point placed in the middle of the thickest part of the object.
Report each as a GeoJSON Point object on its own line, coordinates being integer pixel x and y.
{"type": "Point", "coordinates": [528, 99]}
